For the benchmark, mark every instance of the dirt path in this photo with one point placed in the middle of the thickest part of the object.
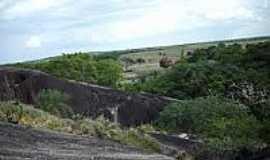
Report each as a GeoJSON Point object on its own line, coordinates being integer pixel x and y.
{"type": "Point", "coordinates": [21, 143]}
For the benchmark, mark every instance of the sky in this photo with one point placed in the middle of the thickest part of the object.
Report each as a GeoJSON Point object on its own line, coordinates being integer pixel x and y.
{"type": "Point", "coordinates": [33, 29]}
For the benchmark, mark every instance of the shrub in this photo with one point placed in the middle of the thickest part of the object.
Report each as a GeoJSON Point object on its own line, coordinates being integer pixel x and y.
{"type": "Point", "coordinates": [55, 102]}
{"type": "Point", "coordinates": [11, 112]}
{"type": "Point", "coordinates": [165, 62]}
{"type": "Point", "coordinates": [101, 69]}
{"type": "Point", "coordinates": [103, 128]}
{"type": "Point", "coordinates": [210, 71]}
{"type": "Point", "coordinates": [15, 112]}
{"type": "Point", "coordinates": [223, 124]}
{"type": "Point", "coordinates": [109, 72]}
{"type": "Point", "coordinates": [191, 80]}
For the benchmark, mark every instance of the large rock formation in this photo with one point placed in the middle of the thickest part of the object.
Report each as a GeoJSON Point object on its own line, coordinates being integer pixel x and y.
{"type": "Point", "coordinates": [21, 143]}
{"type": "Point", "coordinates": [89, 100]}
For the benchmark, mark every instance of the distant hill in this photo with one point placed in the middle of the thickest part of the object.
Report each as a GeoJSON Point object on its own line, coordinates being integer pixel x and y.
{"type": "Point", "coordinates": [140, 62]}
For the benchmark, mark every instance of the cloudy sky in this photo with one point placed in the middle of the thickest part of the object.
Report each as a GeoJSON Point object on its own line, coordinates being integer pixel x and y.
{"type": "Point", "coordinates": [32, 29]}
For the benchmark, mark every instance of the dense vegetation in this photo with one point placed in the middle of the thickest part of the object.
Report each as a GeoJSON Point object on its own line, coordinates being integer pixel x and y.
{"type": "Point", "coordinates": [220, 122]}
{"type": "Point", "coordinates": [212, 71]}
{"type": "Point", "coordinates": [239, 76]}
{"type": "Point", "coordinates": [81, 67]}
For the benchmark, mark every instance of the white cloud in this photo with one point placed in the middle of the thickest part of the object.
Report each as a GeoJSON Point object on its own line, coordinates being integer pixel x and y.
{"type": "Point", "coordinates": [33, 42]}
{"type": "Point", "coordinates": [30, 7]}
{"type": "Point", "coordinates": [122, 23]}
{"type": "Point", "coordinates": [222, 9]}
{"type": "Point", "coordinates": [158, 18]}
{"type": "Point", "coordinates": [162, 17]}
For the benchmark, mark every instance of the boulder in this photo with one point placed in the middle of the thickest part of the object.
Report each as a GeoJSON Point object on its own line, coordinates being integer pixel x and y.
{"type": "Point", "coordinates": [86, 99]}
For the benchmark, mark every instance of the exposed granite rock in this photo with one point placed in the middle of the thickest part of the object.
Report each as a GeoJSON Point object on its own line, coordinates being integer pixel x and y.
{"type": "Point", "coordinates": [21, 143]}
{"type": "Point", "coordinates": [89, 100]}
{"type": "Point", "coordinates": [175, 146]}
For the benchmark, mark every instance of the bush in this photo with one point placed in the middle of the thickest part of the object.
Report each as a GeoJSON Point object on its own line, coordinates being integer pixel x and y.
{"type": "Point", "coordinates": [210, 71]}
{"type": "Point", "coordinates": [103, 128]}
{"type": "Point", "coordinates": [109, 72]}
{"type": "Point", "coordinates": [55, 102]}
{"type": "Point", "coordinates": [221, 123]}
{"type": "Point", "coordinates": [15, 112]}
{"type": "Point", "coordinates": [102, 70]}
{"type": "Point", "coordinates": [191, 80]}
{"type": "Point", "coordinates": [11, 112]}
{"type": "Point", "coordinates": [165, 62]}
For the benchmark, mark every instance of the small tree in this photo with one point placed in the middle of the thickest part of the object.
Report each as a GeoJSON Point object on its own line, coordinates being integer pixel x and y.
{"type": "Point", "coordinates": [55, 102]}
{"type": "Point", "coordinates": [165, 62]}
{"type": "Point", "coordinates": [109, 72]}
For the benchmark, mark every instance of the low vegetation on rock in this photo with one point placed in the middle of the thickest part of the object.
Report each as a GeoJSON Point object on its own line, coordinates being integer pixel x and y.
{"type": "Point", "coordinates": [55, 102]}
{"type": "Point", "coordinates": [27, 115]}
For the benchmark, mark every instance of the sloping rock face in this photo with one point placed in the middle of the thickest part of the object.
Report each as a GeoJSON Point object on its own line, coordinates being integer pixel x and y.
{"type": "Point", "coordinates": [89, 100]}
{"type": "Point", "coordinates": [21, 143]}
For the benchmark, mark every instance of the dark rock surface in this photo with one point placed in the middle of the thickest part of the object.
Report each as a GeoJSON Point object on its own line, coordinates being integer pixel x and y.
{"type": "Point", "coordinates": [89, 100]}
{"type": "Point", "coordinates": [21, 143]}
{"type": "Point", "coordinates": [175, 144]}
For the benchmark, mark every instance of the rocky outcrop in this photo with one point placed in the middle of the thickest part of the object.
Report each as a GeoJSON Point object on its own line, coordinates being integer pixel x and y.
{"type": "Point", "coordinates": [87, 99]}
{"type": "Point", "coordinates": [174, 144]}
{"type": "Point", "coordinates": [21, 143]}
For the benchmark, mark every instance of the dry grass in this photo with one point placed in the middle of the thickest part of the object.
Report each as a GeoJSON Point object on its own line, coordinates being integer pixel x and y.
{"type": "Point", "coordinates": [100, 127]}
